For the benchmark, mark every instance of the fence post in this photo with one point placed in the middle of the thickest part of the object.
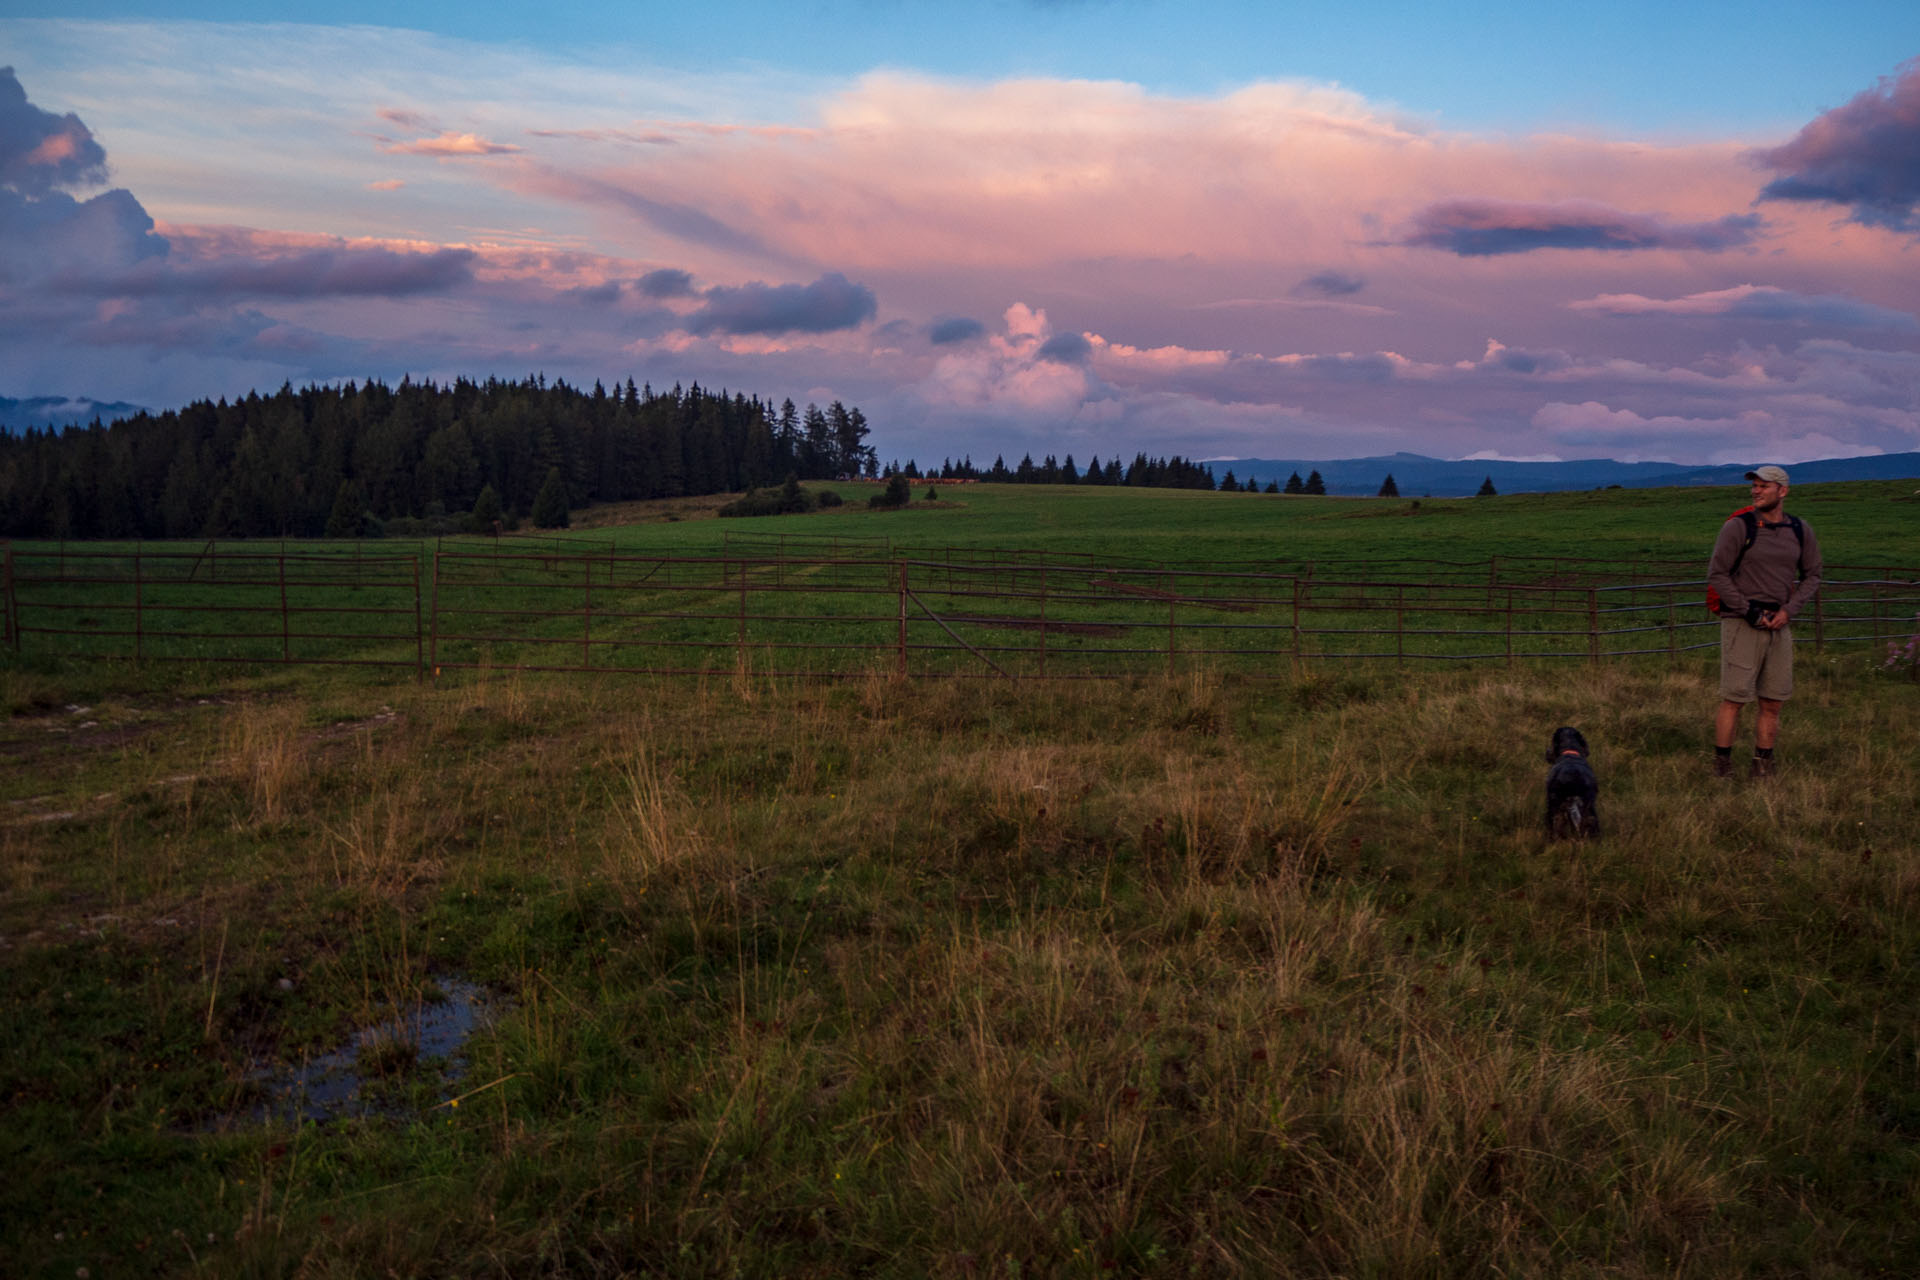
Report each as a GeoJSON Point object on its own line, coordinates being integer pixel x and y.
{"type": "Point", "coordinates": [1673, 629]}
{"type": "Point", "coordinates": [1593, 625]}
{"type": "Point", "coordinates": [1509, 626]}
{"type": "Point", "coordinates": [1819, 629]}
{"type": "Point", "coordinates": [1043, 620]}
{"type": "Point", "coordinates": [433, 613]}
{"type": "Point", "coordinates": [1400, 624]}
{"type": "Point", "coordinates": [1172, 605]}
{"type": "Point", "coordinates": [286, 628]}
{"type": "Point", "coordinates": [586, 618]}
{"type": "Point", "coordinates": [1296, 617]}
{"type": "Point", "coordinates": [139, 620]}
{"type": "Point", "coordinates": [901, 661]}
{"type": "Point", "coordinates": [740, 658]}
{"type": "Point", "coordinates": [419, 653]}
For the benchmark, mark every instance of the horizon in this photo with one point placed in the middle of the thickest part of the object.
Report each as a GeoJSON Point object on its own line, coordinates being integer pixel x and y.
{"type": "Point", "coordinates": [1117, 226]}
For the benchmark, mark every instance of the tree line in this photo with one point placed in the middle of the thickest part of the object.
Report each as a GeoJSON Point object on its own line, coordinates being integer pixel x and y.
{"type": "Point", "coordinates": [1175, 472]}
{"type": "Point", "coordinates": [417, 457]}
{"type": "Point", "coordinates": [421, 458]}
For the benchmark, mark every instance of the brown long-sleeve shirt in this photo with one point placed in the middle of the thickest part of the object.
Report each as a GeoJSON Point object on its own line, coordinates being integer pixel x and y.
{"type": "Point", "coordinates": [1768, 570]}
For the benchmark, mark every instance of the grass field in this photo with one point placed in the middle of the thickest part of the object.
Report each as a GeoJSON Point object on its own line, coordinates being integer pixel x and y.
{"type": "Point", "coordinates": [989, 580]}
{"type": "Point", "coordinates": [1190, 976]}
{"type": "Point", "coordinates": [1859, 523]}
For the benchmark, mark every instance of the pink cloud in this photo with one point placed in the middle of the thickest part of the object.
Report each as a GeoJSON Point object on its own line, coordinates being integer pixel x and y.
{"type": "Point", "coordinates": [902, 171]}
{"type": "Point", "coordinates": [407, 119]}
{"type": "Point", "coordinates": [449, 144]}
{"type": "Point", "coordinates": [1756, 302]}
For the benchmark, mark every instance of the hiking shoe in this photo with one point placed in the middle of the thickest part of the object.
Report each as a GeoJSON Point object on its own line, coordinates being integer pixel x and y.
{"type": "Point", "coordinates": [1761, 768]}
{"type": "Point", "coordinates": [1722, 767]}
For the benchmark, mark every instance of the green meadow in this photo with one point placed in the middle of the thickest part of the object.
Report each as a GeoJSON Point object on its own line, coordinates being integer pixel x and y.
{"type": "Point", "coordinates": [1215, 972]}
{"type": "Point", "coordinates": [979, 580]}
{"type": "Point", "coordinates": [1859, 522]}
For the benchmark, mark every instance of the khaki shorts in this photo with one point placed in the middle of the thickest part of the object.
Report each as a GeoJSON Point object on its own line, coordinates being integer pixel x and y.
{"type": "Point", "coordinates": [1755, 662]}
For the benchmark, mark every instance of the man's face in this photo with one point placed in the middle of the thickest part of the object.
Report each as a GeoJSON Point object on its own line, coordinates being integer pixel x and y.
{"type": "Point", "coordinates": [1767, 495]}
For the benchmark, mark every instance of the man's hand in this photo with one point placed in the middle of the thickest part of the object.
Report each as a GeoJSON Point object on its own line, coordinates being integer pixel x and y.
{"type": "Point", "coordinates": [1775, 620]}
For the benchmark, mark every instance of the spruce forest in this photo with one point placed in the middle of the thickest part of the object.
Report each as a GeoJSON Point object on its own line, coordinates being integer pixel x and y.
{"type": "Point", "coordinates": [365, 459]}
{"type": "Point", "coordinates": [361, 459]}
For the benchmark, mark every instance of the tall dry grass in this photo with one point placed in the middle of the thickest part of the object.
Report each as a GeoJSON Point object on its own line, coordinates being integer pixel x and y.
{"type": "Point", "coordinates": [266, 750]}
{"type": "Point", "coordinates": [1188, 977]}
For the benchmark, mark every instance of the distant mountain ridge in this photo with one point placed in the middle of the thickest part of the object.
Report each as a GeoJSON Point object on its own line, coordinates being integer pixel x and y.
{"type": "Point", "coordinates": [1418, 476]}
{"type": "Point", "coordinates": [60, 411]}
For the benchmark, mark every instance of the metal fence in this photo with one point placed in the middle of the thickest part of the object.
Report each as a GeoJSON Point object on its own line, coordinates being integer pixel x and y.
{"type": "Point", "coordinates": [571, 606]}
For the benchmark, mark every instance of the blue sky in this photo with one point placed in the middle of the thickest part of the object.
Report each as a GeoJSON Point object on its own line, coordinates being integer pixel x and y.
{"type": "Point", "coordinates": [1628, 65]}
{"type": "Point", "coordinates": [1675, 231]}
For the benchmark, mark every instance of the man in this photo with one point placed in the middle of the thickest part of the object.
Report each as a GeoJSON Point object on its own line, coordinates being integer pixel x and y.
{"type": "Point", "coordinates": [1762, 585]}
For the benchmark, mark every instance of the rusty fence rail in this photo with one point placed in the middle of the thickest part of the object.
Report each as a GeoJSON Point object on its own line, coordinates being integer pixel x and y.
{"type": "Point", "coordinates": [259, 604]}
{"type": "Point", "coordinates": [1015, 614]}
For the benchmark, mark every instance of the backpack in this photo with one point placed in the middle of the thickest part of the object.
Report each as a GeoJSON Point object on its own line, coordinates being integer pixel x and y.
{"type": "Point", "coordinates": [1752, 522]}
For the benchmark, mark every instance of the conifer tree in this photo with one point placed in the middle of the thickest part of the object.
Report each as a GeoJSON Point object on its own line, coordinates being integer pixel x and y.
{"type": "Point", "coordinates": [1486, 489]}
{"type": "Point", "coordinates": [344, 520]}
{"type": "Point", "coordinates": [1293, 483]}
{"type": "Point", "coordinates": [550, 504]}
{"type": "Point", "coordinates": [486, 511]}
{"type": "Point", "coordinates": [1388, 489]}
{"type": "Point", "coordinates": [1315, 484]}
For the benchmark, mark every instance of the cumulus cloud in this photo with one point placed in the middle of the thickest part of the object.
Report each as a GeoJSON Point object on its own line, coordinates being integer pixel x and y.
{"type": "Point", "coordinates": [56, 235]}
{"type": "Point", "coordinates": [1329, 284]}
{"type": "Point", "coordinates": [952, 329]}
{"type": "Point", "coordinates": [1756, 302]}
{"type": "Point", "coordinates": [41, 152]}
{"type": "Point", "coordinates": [1481, 228]}
{"type": "Point", "coordinates": [1865, 155]}
{"type": "Point", "coordinates": [43, 229]}
{"type": "Point", "coordinates": [667, 282]}
{"type": "Point", "coordinates": [829, 303]}
{"type": "Point", "coordinates": [1519, 360]}
{"type": "Point", "coordinates": [1007, 374]}
{"type": "Point", "coordinates": [449, 144]}
{"type": "Point", "coordinates": [1066, 348]}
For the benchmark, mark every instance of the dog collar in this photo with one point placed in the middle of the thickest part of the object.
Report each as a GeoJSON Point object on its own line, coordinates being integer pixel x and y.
{"type": "Point", "coordinates": [1570, 752]}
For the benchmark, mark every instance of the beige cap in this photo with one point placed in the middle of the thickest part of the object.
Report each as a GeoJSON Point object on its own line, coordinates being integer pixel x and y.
{"type": "Point", "coordinates": [1772, 475]}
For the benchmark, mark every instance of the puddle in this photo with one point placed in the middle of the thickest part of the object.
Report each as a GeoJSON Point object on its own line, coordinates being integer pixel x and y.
{"type": "Point", "coordinates": [350, 1080]}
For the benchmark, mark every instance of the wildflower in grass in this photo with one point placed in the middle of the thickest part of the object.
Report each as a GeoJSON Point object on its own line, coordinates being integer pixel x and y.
{"type": "Point", "coordinates": [1900, 655]}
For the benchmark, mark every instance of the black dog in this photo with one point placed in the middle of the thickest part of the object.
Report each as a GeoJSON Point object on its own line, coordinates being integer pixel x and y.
{"type": "Point", "coordinates": [1573, 793]}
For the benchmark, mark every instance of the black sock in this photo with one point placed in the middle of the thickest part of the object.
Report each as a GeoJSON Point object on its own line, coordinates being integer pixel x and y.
{"type": "Point", "coordinates": [1763, 753]}
{"type": "Point", "coordinates": [1725, 753]}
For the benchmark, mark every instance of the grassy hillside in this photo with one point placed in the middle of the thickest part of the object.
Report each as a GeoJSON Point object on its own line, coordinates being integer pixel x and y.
{"type": "Point", "coordinates": [1150, 977]}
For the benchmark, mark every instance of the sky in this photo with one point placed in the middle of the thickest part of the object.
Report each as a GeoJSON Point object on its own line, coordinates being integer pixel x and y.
{"type": "Point", "coordinates": [1677, 232]}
